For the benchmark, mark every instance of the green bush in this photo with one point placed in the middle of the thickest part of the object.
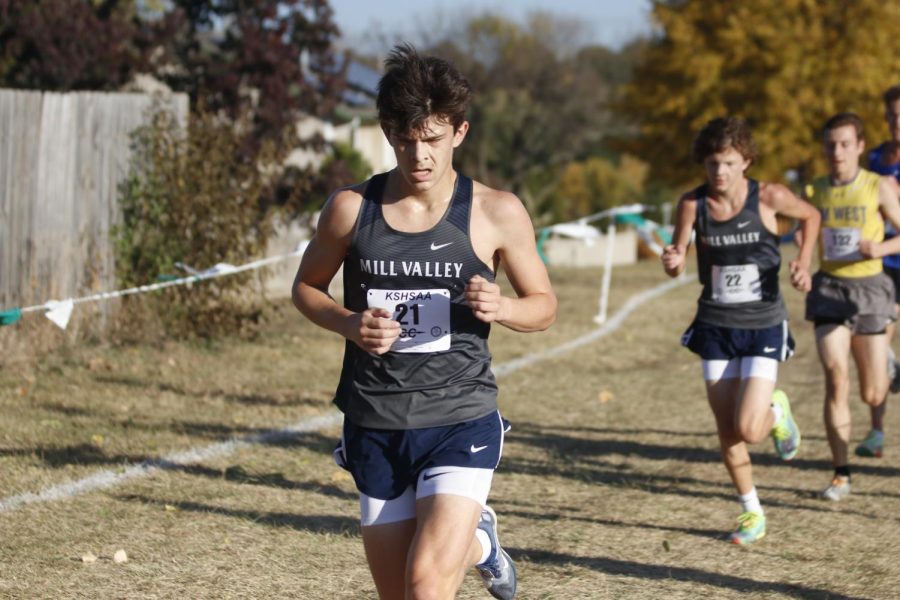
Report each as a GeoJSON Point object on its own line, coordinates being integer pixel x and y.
{"type": "Point", "coordinates": [193, 196]}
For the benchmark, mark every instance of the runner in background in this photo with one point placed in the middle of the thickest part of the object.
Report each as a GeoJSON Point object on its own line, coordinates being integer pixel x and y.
{"type": "Point", "coordinates": [852, 301]}
{"type": "Point", "coordinates": [740, 330]}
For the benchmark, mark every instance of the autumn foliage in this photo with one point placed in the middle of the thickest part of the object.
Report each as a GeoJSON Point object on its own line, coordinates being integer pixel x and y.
{"type": "Point", "coordinates": [785, 65]}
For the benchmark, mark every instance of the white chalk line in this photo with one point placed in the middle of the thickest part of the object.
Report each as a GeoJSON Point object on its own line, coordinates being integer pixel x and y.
{"type": "Point", "coordinates": [110, 478]}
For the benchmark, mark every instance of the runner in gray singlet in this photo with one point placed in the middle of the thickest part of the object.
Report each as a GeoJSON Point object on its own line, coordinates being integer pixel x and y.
{"type": "Point", "coordinates": [419, 247]}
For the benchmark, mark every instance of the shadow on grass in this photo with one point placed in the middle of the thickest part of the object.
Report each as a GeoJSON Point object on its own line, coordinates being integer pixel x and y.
{"type": "Point", "coordinates": [237, 474]}
{"type": "Point", "coordinates": [322, 524]}
{"type": "Point", "coordinates": [627, 568]}
{"type": "Point", "coordinates": [248, 399]}
{"type": "Point", "coordinates": [664, 484]}
{"type": "Point", "coordinates": [714, 534]}
{"type": "Point", "coordinates": [90, 454]}
{"type": "Point", "coordinates": [555, 441]}
{"type": "Point", "coordinates": [629, 431]}
{"type": "Point", "coordinates": [581, 460]}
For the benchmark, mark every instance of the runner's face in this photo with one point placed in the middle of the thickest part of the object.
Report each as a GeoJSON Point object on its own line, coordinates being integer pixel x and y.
{"type": "Point", "coordinates": [725, 169]}
{"type": "Point", "coordinates": [425, 157]}
{"type": "Point", "coordinates": [892, 116]}
{"type": "Point", "coordinates": [842, 150]}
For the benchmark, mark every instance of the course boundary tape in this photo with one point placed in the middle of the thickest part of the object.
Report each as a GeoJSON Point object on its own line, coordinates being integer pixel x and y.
{"type": "Point", "coordinates": [110, 478]}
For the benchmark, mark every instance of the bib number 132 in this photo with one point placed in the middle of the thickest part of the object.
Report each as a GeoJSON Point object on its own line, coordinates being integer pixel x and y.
{"type": "Point", "coordinates": [841, 243]}
{"type": "Point", "coordinates": [423, 315]}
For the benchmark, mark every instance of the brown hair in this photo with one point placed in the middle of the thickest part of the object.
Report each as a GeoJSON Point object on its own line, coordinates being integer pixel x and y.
{"type": "Point", "coordinates": [842, 119]}
{"type": "Point", "coordinates": [721, 134]}
{"type": "Point", "coordinates": [414, 88]}
{"type": "Point", "coordinates": [891, 95]}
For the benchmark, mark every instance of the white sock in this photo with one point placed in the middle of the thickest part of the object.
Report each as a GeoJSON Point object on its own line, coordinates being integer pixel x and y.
{"type": "Point", "coordinates": [485, 541]}
{"type": "Point", "coordinates": [776, 410]}
{"type": "Point", "coordinates": [750, 502]}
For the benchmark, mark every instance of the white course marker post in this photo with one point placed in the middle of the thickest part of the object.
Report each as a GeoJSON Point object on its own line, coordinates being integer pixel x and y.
{"type": "Point", "coordinates": [600, 318]}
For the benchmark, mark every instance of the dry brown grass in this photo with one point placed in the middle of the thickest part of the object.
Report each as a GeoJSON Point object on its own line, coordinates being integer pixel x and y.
{"type": "Point", "coordinates": [619, 499]}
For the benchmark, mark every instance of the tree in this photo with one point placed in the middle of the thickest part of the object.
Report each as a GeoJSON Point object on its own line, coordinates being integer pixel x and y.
{"type": "Point", "coordinates": [268, 59]}
{"type": "Point", "coordinates": [69, 44]}
{"type": "Point", "coordinates": [589, 186]}
{"type": "Point", "coordinates": [262, 62]}
{"type": "Point", "coordinates": [539, 104]}
{"type": "Point", "coordinates": [785, 65]}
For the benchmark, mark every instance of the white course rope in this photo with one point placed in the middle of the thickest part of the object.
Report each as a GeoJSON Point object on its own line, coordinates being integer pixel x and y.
{"type": "Point", "coordinates": [60, 311]}
{"type": "Point", "coordinates": [220, 270]}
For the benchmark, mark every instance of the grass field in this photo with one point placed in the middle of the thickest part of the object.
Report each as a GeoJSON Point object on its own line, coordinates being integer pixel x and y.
{"type": "Point", "coordinates": [611, 484]}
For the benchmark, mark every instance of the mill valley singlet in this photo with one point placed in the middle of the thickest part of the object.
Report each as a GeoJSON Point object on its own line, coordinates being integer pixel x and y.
{"type": "Point", "coordinates": [738, 262]}
{"type": "Point", "coordinates": [438, 372]}
{"type": "Point", "coordinates": [876, 164]}
{"type": "Point", "coordinates": [850, 213]}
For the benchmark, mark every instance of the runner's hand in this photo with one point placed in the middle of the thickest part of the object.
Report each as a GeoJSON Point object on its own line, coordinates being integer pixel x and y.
{"type": "Point", "coordinates": [672, 259]}
{"type": "Point", "coordinates": [800, 277]}
{"type": "Point", "coordinates": [375, 331]}
{"type": "Point", "coordinates": [485, 300]}
{"type": "Point", "coordinates": [870, 249]}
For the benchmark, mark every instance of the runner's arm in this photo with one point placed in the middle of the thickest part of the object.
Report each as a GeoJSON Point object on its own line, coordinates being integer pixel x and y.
{"type": "Point", "coordinates": [889, 204]}
{"type": "Point", "coordinates": [675, 254]}
{"type": "Point", "coordinates": [534, 306]}
{"type": "Point", "coordinates": [784, 202]}
{"type": "Point", "coordinates": [372, 330]}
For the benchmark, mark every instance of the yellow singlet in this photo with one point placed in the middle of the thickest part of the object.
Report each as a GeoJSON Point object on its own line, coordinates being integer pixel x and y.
{"type": "Point", "coordinates": [849, 214]}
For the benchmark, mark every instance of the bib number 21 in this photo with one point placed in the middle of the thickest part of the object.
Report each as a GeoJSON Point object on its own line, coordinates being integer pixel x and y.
{"type": "Point", "coordinates": [423, 315]}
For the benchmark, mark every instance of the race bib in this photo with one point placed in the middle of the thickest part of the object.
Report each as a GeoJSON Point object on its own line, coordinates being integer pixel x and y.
{"type": "Point", "coordinates": [424, 317]}
{"type": "Point", "coordinates": [841, 243]}
{"type": "Point", "coordinates": [736, 283]}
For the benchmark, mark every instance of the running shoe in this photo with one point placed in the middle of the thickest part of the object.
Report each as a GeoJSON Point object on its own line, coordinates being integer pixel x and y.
{"type": "Point", "coordinates": [838, 490]}
{"type": "Point", "coordinates": [893, 370]}
{"type": "Point", "coordinates": [498, 572]}
{"type": "Point", "coordinates": [751, 527]}
{"type": "Point", "coordinates": [873, 445]}
{"type": "Point", "coordinates": [785, 433]}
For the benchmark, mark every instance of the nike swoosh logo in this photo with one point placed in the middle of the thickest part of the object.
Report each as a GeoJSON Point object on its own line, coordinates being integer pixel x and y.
{"type": "Point", "coordinates": [439, 246]}
{"type": "Point", "coordinates": [767, 349]}
{"type": "Point", "coordinates": [473, 449]}
{"type": "Point", "coordinates": [742, 225]}
{"type": "Point", "coordinates": [428, 476]}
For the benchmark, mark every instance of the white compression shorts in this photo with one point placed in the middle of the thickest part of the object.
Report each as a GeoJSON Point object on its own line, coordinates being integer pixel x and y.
{"type": "Point", "coordinates": [459, 481]}
{"type": "Point", "coordinates": [741, 368]}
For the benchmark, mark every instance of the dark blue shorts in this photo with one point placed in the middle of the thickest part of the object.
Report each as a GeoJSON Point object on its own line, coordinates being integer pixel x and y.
{"type": "Point", "coordinates": [384, 462]}
{"type": "Point", "coordinates": [712, 342]}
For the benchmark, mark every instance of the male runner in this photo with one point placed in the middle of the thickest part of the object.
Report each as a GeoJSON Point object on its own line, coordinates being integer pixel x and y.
{"type": "Point", "coordinates": [885, 160]}
{"type": "Point", "coordinates": [420, 246]}
{"type": "Point", "coordinates": [852, 301]}
{"type": "Point", "coordinates": [740, 330]}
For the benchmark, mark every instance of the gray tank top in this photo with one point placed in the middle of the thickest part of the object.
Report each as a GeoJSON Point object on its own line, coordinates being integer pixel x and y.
{"type": "Point", "coordinates": [439, 371]}
{"type": "Point", "coordinates": [738, 262]}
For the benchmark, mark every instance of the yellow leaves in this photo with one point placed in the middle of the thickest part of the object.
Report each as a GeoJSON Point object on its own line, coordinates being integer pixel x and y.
{"type": "Point", "coordinates": [596, 184]}
{"type": "Point", "coordinates": [785, 65]}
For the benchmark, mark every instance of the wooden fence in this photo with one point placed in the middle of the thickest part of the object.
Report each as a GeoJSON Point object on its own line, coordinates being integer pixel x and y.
{"type": "Point", "coordinates": [62, 159]}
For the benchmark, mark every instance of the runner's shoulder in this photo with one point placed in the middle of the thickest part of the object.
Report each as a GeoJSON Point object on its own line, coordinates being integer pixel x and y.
{"type": "Point", "coordinates": [498, 206]}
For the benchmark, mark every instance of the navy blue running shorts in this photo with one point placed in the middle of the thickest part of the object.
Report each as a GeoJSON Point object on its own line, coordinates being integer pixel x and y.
{"type": "Point", "coordinates": [712, 342]}
{"type": "Point", "coordinates": [385, 462]}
